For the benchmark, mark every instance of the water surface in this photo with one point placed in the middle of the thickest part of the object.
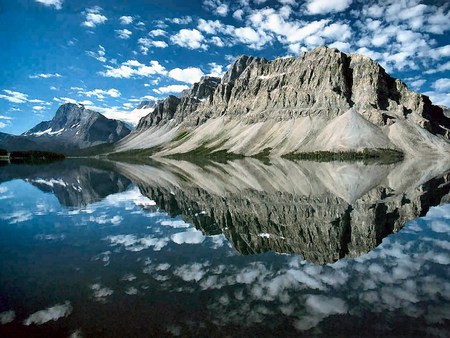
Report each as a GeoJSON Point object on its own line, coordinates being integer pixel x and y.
{"type": "Point", "coordinates": [90, 248]}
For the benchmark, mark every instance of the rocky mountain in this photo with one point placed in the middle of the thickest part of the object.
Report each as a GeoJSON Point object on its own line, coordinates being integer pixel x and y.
{"type": "Point", "coordinates": [322, 211]}
{"type": "Point", "coordinates": [324, 100]}
{"type": "Point", "coordinates": [73, 127]}
{"type": "Point", "coordinates": [172, 111]}
{"type": "Point", "coordinates": [14, 142]}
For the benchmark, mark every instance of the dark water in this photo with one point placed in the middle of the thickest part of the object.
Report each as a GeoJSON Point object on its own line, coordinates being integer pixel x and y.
{"type": "Point", "coordinates": [91, 248]}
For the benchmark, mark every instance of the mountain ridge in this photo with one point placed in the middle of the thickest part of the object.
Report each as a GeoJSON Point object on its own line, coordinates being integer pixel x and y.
{"type": "Point", "coordinates": [284, 105]}
{"type": "Point", "coordinates": [73, 127]}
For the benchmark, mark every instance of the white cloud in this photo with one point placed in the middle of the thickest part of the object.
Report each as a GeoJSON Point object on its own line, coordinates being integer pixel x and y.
{"type": "Point", "coordinates": [217, 41]}
{"type": "Point", "coordinates": [439, 68]}
{"type": "Point", "coordinates": [100, 93]}
{"type": "Point", "coordinates": [123, 33]}
{"type": "Point", "coordinates": [191, 236]}
{"type": "Point", "coordinates": [93, 17]}
{"type": "Point", "coordinates": [7, 317]}
{"type": "Point", "coordinates": [309, 29]}
{"type": "Point", "coordinates": [327, 6]}
{"type": "Point", "coordinates": [38, 108]}
{"type": "Point", "coordinates": [440, 52]}
{"type": "Point", "coordinates": [170, 89]}
{"type": "Point", "coordinates": [52, 313]}
{"type": "Point", "coordinates": [14, 97]}
{"type": "Point", "coordinates": [337, 31]}
{"type": "Point", "coordinates": [438, 22]}
{"type": "Point", "coordinates": [3, 125]}
{"type": "Point", "coordinates": [133, 68]}
{"type": "Point", "coordinates": [134, 243]}
{"type": "Point", "coordinates": [214, 27]}
{"type": "Point", "coordinates": [181, 21]}
{"type": "Point", "coordinates": [157, 32]}
{"type": "Point", "coordinates": [55, 3]}
{"type": "Point", "coordinates": [175, 223]}
{"type": "Point", "coordinates": [252, 38]}
{"type": "Point", "coordinates": [238, 14]}
{"type": "Point", "coordinates": [188, 75]}
{"type": "Point", "coordinates": [44, 75]}
{"type": "Point", "coordinates": [145, 43]}
{"type": "Point", "coordinates": [189, 38]}
{"type": "Point", "coordinates": [441, 85]}
{"type": "Point", "coordinates": [216, 70]}
{"type": "Point", "coordinates": [64, 100]}
{"type": "Point", "coordinates": [374, 11]}
{"type": "Point", "coordinates": [101, 292]}
{"type": "Point", "coordinates": [218, 7]}
{"type": "Point", "coordinates": [342, 46]}
{"type": "Point", "coordinates": [99, 55]}
{"type": "Point", "coordinates": [126, 20]}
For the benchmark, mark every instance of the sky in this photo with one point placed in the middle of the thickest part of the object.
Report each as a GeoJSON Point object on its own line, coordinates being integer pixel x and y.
{"type": "Point", "coordinates": [110, 55]}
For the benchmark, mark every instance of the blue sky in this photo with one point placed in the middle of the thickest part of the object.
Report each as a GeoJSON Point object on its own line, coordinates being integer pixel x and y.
{"type": "Point", "coordinates": [110, 55]}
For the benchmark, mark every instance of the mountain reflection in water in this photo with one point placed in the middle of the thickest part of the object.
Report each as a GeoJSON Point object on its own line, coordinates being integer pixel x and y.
{"type": "Point", "coordinates": [322, 211]}
{"type": "Point", "coordinates": [115, 254]}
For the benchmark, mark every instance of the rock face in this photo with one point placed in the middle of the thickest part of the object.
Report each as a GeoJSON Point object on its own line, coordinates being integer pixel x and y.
{"type": "Point", "coordinates": [73, 127]}
{"type": "Point", "coordinates": [178, 108]}
{"type": "Point", "coordinates": [285, 105]}
{"type": "Point", "coordinates": [323, 211]}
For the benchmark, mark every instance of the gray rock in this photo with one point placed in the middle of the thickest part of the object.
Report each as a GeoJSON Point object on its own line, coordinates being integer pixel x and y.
{"type": "Point", "coordinates": [178, 108]}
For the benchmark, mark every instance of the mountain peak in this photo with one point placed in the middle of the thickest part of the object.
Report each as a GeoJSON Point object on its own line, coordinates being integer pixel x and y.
{"type": "Point", "coordinates": [315, 95]}
{"type": "Point", "coordinates": [74, 127]}
{"type": "Point", "coordinates": [238, 67]}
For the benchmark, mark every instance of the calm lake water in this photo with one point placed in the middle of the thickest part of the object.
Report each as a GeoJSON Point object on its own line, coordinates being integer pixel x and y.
{"type": "Point", "coordinates": [246, 248]}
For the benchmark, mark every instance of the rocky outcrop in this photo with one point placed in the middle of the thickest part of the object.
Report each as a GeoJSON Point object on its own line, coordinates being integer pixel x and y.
{"type": "Point", "coordinates": [73, 127]}
{"type": "Point", "coordinates": [285, 105]}
{"type": "Point", "coordinates": [174, 108]}
{"type": "Point", "coordinates": [163, 112]}
{"type": "Point", "coordinates": [323, 211]}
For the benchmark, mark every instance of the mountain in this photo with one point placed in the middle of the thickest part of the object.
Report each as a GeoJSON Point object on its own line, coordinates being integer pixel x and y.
{"type": "Point", "coordinates": [14, 142]}
{"type": "Point", "coordinates": [324, 100]}
{"type": "Point", "coordinates": [169, 112]}
{"type": "Point", "coordinates": [73, 127]}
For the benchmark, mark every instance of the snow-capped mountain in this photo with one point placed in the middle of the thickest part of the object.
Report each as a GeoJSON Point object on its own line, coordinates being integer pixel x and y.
{"type": "Point", "coordinates": [73, 127]}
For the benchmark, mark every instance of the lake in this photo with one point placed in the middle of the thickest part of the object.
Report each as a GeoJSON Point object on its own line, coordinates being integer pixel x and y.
{"type": "Point", "coordinates": [243, 248]}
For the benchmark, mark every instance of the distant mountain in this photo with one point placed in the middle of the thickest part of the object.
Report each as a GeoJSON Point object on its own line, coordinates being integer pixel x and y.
{"type": "Point", "coordinates": [14, 142]}
{"type": "Point", "coordinates": [324, 100]}
{"type": "Point", "coordinates": [73, 127]}
{"type": "Point", "coordinates": [133, 117]}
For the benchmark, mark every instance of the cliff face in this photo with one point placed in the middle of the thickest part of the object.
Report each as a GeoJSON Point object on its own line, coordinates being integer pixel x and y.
{"type": "Point", "coordinates": [178, 108]}
{"type": "Point", "coordinates": [322, 100]}
{"type": "Point", "coordinates": [323, 211]}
